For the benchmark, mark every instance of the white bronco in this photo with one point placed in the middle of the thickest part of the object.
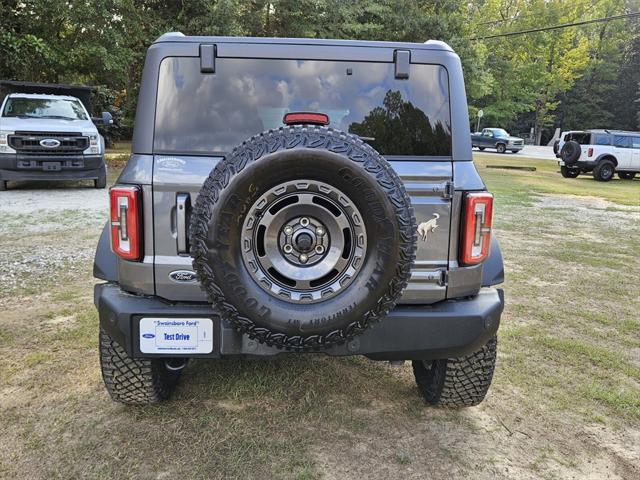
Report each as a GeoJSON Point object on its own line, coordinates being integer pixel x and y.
{"type": "Point", "coordinates": [603, 152]}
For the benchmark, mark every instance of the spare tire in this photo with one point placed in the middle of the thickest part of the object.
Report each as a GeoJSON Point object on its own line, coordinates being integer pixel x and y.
{"type": "Point", "coordinates": [556, 146]}
{"type": "Point", "coordinates": [570, 152]}
{"type": "Point", "coordinates": [302, 237]}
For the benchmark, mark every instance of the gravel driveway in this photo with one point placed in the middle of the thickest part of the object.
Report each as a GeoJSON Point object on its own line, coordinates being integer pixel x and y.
{"type": "Point", "coordinates": [27, 201]}
{"type": "Point", "coordinates": [47, 235]}
{"type": "Point", "coordinates": [540, 152]}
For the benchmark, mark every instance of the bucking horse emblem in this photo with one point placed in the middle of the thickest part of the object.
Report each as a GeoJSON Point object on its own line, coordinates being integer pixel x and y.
{"type": "Point", "coordinates": [429, 226]}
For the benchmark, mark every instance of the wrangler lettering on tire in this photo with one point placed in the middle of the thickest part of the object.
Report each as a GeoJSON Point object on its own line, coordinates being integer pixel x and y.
{"type": "Point", "coordinates": [298, 216]}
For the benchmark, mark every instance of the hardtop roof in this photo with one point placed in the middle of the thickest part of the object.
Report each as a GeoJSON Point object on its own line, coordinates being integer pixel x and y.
{"type": "Point", "coordinates": [617, 132]}
{"type": "Point", "coordinates": [603, 130]}
{"type": "Point", "coordinates": [42, 95]}
{"type": "Point", "coordinates": [178, 37]}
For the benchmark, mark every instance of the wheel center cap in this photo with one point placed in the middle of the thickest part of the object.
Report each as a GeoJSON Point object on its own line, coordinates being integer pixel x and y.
{"type": "Point", "coordinates": [304, 241]}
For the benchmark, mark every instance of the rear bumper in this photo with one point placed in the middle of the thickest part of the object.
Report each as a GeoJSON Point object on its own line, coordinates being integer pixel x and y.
{"type": "Point", "coordinates": [71, 167]}
{"type": "Point", "coordinates": [586, 165]}
{"type": "Point", "coordinates": [410, 332]}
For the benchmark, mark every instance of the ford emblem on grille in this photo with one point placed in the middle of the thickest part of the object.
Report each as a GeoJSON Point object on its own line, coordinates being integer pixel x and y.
{"type": "Point", "coordinates": [50, 142]}
{"type": "Point", "coordinates": [183, 276]}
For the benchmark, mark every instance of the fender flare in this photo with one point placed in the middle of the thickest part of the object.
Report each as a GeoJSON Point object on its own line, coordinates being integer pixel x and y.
{"type": "Point", "coordinates": [105, 263]}
{"type": "Point", "coordinates": [606, 156]}
{"type": "Point", "coordinates": [493, 266]}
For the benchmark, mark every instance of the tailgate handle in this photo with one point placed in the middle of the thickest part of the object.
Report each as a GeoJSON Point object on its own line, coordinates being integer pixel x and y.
{"type": "Point", "coordinates": [183, 208]}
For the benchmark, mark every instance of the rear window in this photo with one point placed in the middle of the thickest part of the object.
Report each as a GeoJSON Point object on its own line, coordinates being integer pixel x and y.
{"type": "Point", "coordinates": [583, 138]}
{"type": "Point", "coordinates": [212, 113]}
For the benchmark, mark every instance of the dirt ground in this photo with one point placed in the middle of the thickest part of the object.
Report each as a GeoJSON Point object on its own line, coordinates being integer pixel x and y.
{"type": "Point", "coordinates": [565, 402]}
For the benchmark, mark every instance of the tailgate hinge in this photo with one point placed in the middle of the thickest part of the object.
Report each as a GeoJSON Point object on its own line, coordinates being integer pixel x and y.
{"type": "Point", "coordinates": [444, 277]}
{"type": "Point", "coordinates": [448, 190]}
{"type": "Point", "coordinates": [439, 277]}
{"type": "Point", "coordinates": [402, 60]}
{"type": "Point", "coordinates": [208, 58]}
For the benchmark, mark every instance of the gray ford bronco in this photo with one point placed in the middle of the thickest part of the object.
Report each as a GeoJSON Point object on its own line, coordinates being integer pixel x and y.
{"type": "Point", "coordinates": [300, 196]}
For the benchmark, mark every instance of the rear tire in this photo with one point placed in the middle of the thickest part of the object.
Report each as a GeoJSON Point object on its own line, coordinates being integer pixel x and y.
{"type": "Point", "coordinates": [481, 149]}
{"type": "Point", "coordinates": [622, 175]}
{"type": "Point", "coordinates": [457, 382]}
{"type": "Point", "coordinates": [604, 171]}
{"type": "Point", "coordinates": [569, 172]}
{"type": "Point", "coordinates": [501, 148]}
{"type": "Point", "coordinates": [134, 381]}
{"type": "Point", "coordinates": [3, 185]}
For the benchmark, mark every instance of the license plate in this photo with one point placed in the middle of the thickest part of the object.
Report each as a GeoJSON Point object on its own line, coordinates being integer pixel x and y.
{"type": "Point", "coordinates": [176, 335]}
{"type": "Point", "coordinates": [51, 166]}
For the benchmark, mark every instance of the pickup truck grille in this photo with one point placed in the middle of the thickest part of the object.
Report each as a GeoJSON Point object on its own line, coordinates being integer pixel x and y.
{"type": "Point", "coordinates": [518, 142]}
{"type": "Point", "coordinates": [28, 143]}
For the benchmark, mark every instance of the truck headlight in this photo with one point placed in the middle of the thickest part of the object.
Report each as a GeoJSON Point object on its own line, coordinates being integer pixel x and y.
{"type": "Point", "coordinates": [94, 144]}
{"type": "Point", "coordinates": [509, 142]}
{"type": "Point", "coordinates": [4, 142]}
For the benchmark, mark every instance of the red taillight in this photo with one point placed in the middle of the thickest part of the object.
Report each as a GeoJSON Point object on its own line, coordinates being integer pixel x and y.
{"type": "Point", "coordinates": [126, 222]}
{"type": "Point", "coordinates": [476, 229]}
{"type": "Point", "coordinates": [590, 152]}
{"type": "Point", "coordinates": [293, 118]}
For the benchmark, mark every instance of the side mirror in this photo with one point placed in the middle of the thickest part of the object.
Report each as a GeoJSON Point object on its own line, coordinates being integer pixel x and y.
{"type": "Point", "coordinates": [105, 119]}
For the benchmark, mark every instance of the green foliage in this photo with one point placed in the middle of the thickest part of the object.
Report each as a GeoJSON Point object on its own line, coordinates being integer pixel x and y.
{"type": "Point", "coordinates": [399, 127]}
{"type": "Point", "coordinates": [108, 100]}
{"type": "Point", "coordinates": [579, 77]}
{"type": "Point", "coordinates": [601, 98]}
{"type": "Point", "coordinates": [566, 77]}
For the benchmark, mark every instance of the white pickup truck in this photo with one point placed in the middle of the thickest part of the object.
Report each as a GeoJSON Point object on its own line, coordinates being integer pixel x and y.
{"type": "Point", "coordinates": [50, 137]}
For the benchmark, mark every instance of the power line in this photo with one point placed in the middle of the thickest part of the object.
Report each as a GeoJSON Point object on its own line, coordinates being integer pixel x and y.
{"type": "Point", "coordinates": [521, 16]}
{"type": "Point", "coordinates": [562, 25]}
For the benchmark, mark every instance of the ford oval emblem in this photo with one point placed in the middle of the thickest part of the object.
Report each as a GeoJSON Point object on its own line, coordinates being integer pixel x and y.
{"type": "Point", "coordinates": [183, 276]}
{"type": "Point", "coordinates": [148, 335]}
{"type": "Point", "coordinates": [49, 143]}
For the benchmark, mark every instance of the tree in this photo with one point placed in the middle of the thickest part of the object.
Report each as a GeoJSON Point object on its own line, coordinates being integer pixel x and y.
{"type": "Point", "coordinates": [400, 128]}
{"type": "Point", "coordinates": [542, 79]}
{"type": "Point", "coordinates": [531, 74]}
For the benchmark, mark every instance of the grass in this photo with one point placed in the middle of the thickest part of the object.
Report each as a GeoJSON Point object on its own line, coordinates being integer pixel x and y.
{"type": "Point", "coordinates": [565, 391]}
{"type": "Point", "coordinates": [117, 155]}
{"type": "Point", "coordinates": [547, 179]}
{"type": "Point", "coordinates": [119, 148]}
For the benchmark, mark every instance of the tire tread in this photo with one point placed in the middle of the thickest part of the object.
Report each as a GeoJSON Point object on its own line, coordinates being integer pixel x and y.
{"type": "Point", "coordinates": [457, 382]}
{"type": "Point", "coordinates": [133, 381]}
